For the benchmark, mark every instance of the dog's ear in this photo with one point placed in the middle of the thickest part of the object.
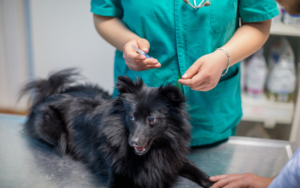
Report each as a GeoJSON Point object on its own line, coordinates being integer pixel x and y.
{"type": "Point", "coordinates": [172, 93]}
{"type": "Point", "coordinates": [127, 85]}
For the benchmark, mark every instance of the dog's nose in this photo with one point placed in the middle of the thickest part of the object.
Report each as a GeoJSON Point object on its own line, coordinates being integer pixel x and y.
{"type": "Point", "coordinates": [134, 142]}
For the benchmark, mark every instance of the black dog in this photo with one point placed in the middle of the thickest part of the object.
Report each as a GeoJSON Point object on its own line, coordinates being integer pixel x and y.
{"type": "Point", "coordinates": [138, 139]}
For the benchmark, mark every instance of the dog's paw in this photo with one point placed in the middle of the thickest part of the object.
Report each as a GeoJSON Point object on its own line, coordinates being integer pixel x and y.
{"type": "Point", "coordinates": [207, 183]}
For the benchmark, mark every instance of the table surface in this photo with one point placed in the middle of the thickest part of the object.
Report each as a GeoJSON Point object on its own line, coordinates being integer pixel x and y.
{"type": "Point", "coordinates": [27, 163]}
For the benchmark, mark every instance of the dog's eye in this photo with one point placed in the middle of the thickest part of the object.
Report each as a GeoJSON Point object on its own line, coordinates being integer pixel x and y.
{"type": "Point", "coordinates": [131, 118]}
{"type": "Point", "coordinates": [151, 120]}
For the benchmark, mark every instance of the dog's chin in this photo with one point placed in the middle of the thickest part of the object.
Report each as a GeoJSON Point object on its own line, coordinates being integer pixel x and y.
{"type": "Point", "coordinates": [142, 150]}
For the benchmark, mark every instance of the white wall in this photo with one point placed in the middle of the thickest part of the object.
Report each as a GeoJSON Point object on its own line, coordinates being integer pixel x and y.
{"type": "Point", "coordinates": [13, 54]}
{"type": "Point", "coordinates": [64, 36]}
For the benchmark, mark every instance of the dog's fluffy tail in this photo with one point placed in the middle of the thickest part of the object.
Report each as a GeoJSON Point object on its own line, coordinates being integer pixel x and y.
{"type": "Point", "coordinates": [56, 83]}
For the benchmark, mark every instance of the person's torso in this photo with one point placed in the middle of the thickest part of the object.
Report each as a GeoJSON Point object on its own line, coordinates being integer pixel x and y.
{"type": "Point", "coordinates": [178, 36]}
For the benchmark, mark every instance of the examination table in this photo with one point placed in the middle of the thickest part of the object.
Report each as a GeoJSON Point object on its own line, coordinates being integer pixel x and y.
{"type": "Point", "coordinates": [27, 163]}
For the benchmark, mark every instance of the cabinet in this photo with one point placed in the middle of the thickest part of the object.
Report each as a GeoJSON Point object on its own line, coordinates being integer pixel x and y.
{"type": "Point", "coordinates": [272, 113]}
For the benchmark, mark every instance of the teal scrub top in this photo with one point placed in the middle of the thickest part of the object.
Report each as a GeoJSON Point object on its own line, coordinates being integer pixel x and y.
{"type": "Point", "coordinates": [178, 36]}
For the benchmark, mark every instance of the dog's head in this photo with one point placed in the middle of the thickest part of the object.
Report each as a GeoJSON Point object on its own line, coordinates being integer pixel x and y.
{"type": "Point", "coordinates": [151, 114]}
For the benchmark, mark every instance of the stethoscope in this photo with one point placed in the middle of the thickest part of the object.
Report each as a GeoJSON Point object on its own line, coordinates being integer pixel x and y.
{"type": "Point", "coordinates": [195, 6]}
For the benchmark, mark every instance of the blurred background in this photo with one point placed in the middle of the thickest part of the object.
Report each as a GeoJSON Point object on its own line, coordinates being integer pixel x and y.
{"type": "Point", "coordinates": [40, 36]}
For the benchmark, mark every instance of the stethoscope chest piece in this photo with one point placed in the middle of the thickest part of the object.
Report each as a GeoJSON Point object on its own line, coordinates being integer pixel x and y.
{"type": "Point", "coordinates": [195, 6]}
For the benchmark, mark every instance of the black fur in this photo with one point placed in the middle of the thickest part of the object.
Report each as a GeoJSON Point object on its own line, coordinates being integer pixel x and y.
{"type": "Point", "coordinates": [139, 139]}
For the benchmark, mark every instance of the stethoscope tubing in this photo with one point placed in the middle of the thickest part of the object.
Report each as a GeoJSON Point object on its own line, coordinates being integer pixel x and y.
{"type": "Point", "coordinates": [195, 6]}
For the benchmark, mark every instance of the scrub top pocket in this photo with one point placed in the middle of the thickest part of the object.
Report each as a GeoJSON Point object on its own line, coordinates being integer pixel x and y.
{"type": "Point", "coordinates": [228, 103]}
{"type": "Point", "coordinates": [223, 14]}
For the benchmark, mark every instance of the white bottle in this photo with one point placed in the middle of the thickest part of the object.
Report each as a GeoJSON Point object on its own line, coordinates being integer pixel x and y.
{"type": "Point", "coordinates": [282, 78]}
{"type": "Point", "coordinates": [256, 75]}
{"type": "Point", "coordinates": [291, 20]}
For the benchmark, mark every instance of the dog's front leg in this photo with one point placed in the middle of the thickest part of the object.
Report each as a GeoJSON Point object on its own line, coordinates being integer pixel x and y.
{"type": "Point", "coordinates": [191, 172]}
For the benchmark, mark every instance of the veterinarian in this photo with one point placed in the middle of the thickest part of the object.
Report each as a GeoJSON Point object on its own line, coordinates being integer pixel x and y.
{"type": "Point", "coordinates": [197, 49]}
{"type": "Point", "coordinates": [289, 176]}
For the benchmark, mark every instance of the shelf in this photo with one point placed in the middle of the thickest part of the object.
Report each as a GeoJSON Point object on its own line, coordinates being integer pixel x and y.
{"type": "Point", "coordinates": [283, 29]}
{"type": "Point", "coordinates": [268, 112]}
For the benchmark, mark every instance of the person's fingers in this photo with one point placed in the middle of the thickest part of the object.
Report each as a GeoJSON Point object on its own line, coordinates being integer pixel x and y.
{"type": "Point", "coordinates": [129, 54]}
{"type": "Point", "coordinates": [141, 57]}
{"type": "Point", "coordinates": [218, 177]}
{"type": "Point", "coordinates": [138, 59]}
{"type": "Point", "coordinates": [236, 184]}
{"type": "Point", "coordinates": [191, 71]}
{"type": "Point", "coordinates": [224, 181]}
{"type": "Point", "coordinates": [153, 66]}
{"type": "Point", "coordinates": [150, 61]}
{"type": "Point", "coordinates": [139, 66]}
{"type": "Point", "coordinates": [202, 88]}
{"type": "Point", "coordinates": [194, 82]}
{"type": "Point", "coordinates": [154, 61]}
{"type": "Point", "coordinates": [147, 67]}
{"type": "Point", "coordinates": [133, 55]}
{"type": "Point", "coordinates": [186, 82]}
{"type": "Point", "coordinates": [143, 44]}
{"type": "Point", "coordinates": [128, 47]}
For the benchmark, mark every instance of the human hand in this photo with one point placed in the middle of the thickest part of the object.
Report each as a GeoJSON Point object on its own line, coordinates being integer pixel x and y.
{"type": "Point", "coordinates": [136, 61]}
{"type": "Point", "coordinates": [246, 180]}
{"type": "Point", "coordinates": [206, 72]}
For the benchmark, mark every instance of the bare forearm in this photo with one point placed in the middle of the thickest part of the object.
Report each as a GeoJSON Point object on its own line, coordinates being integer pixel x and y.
{"type": "Point", "coordinates": [113, 31]}
{"type": "Point", "coordinates": [205, 73]}
{"type": "Point", "coordinates": [247, 40]}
